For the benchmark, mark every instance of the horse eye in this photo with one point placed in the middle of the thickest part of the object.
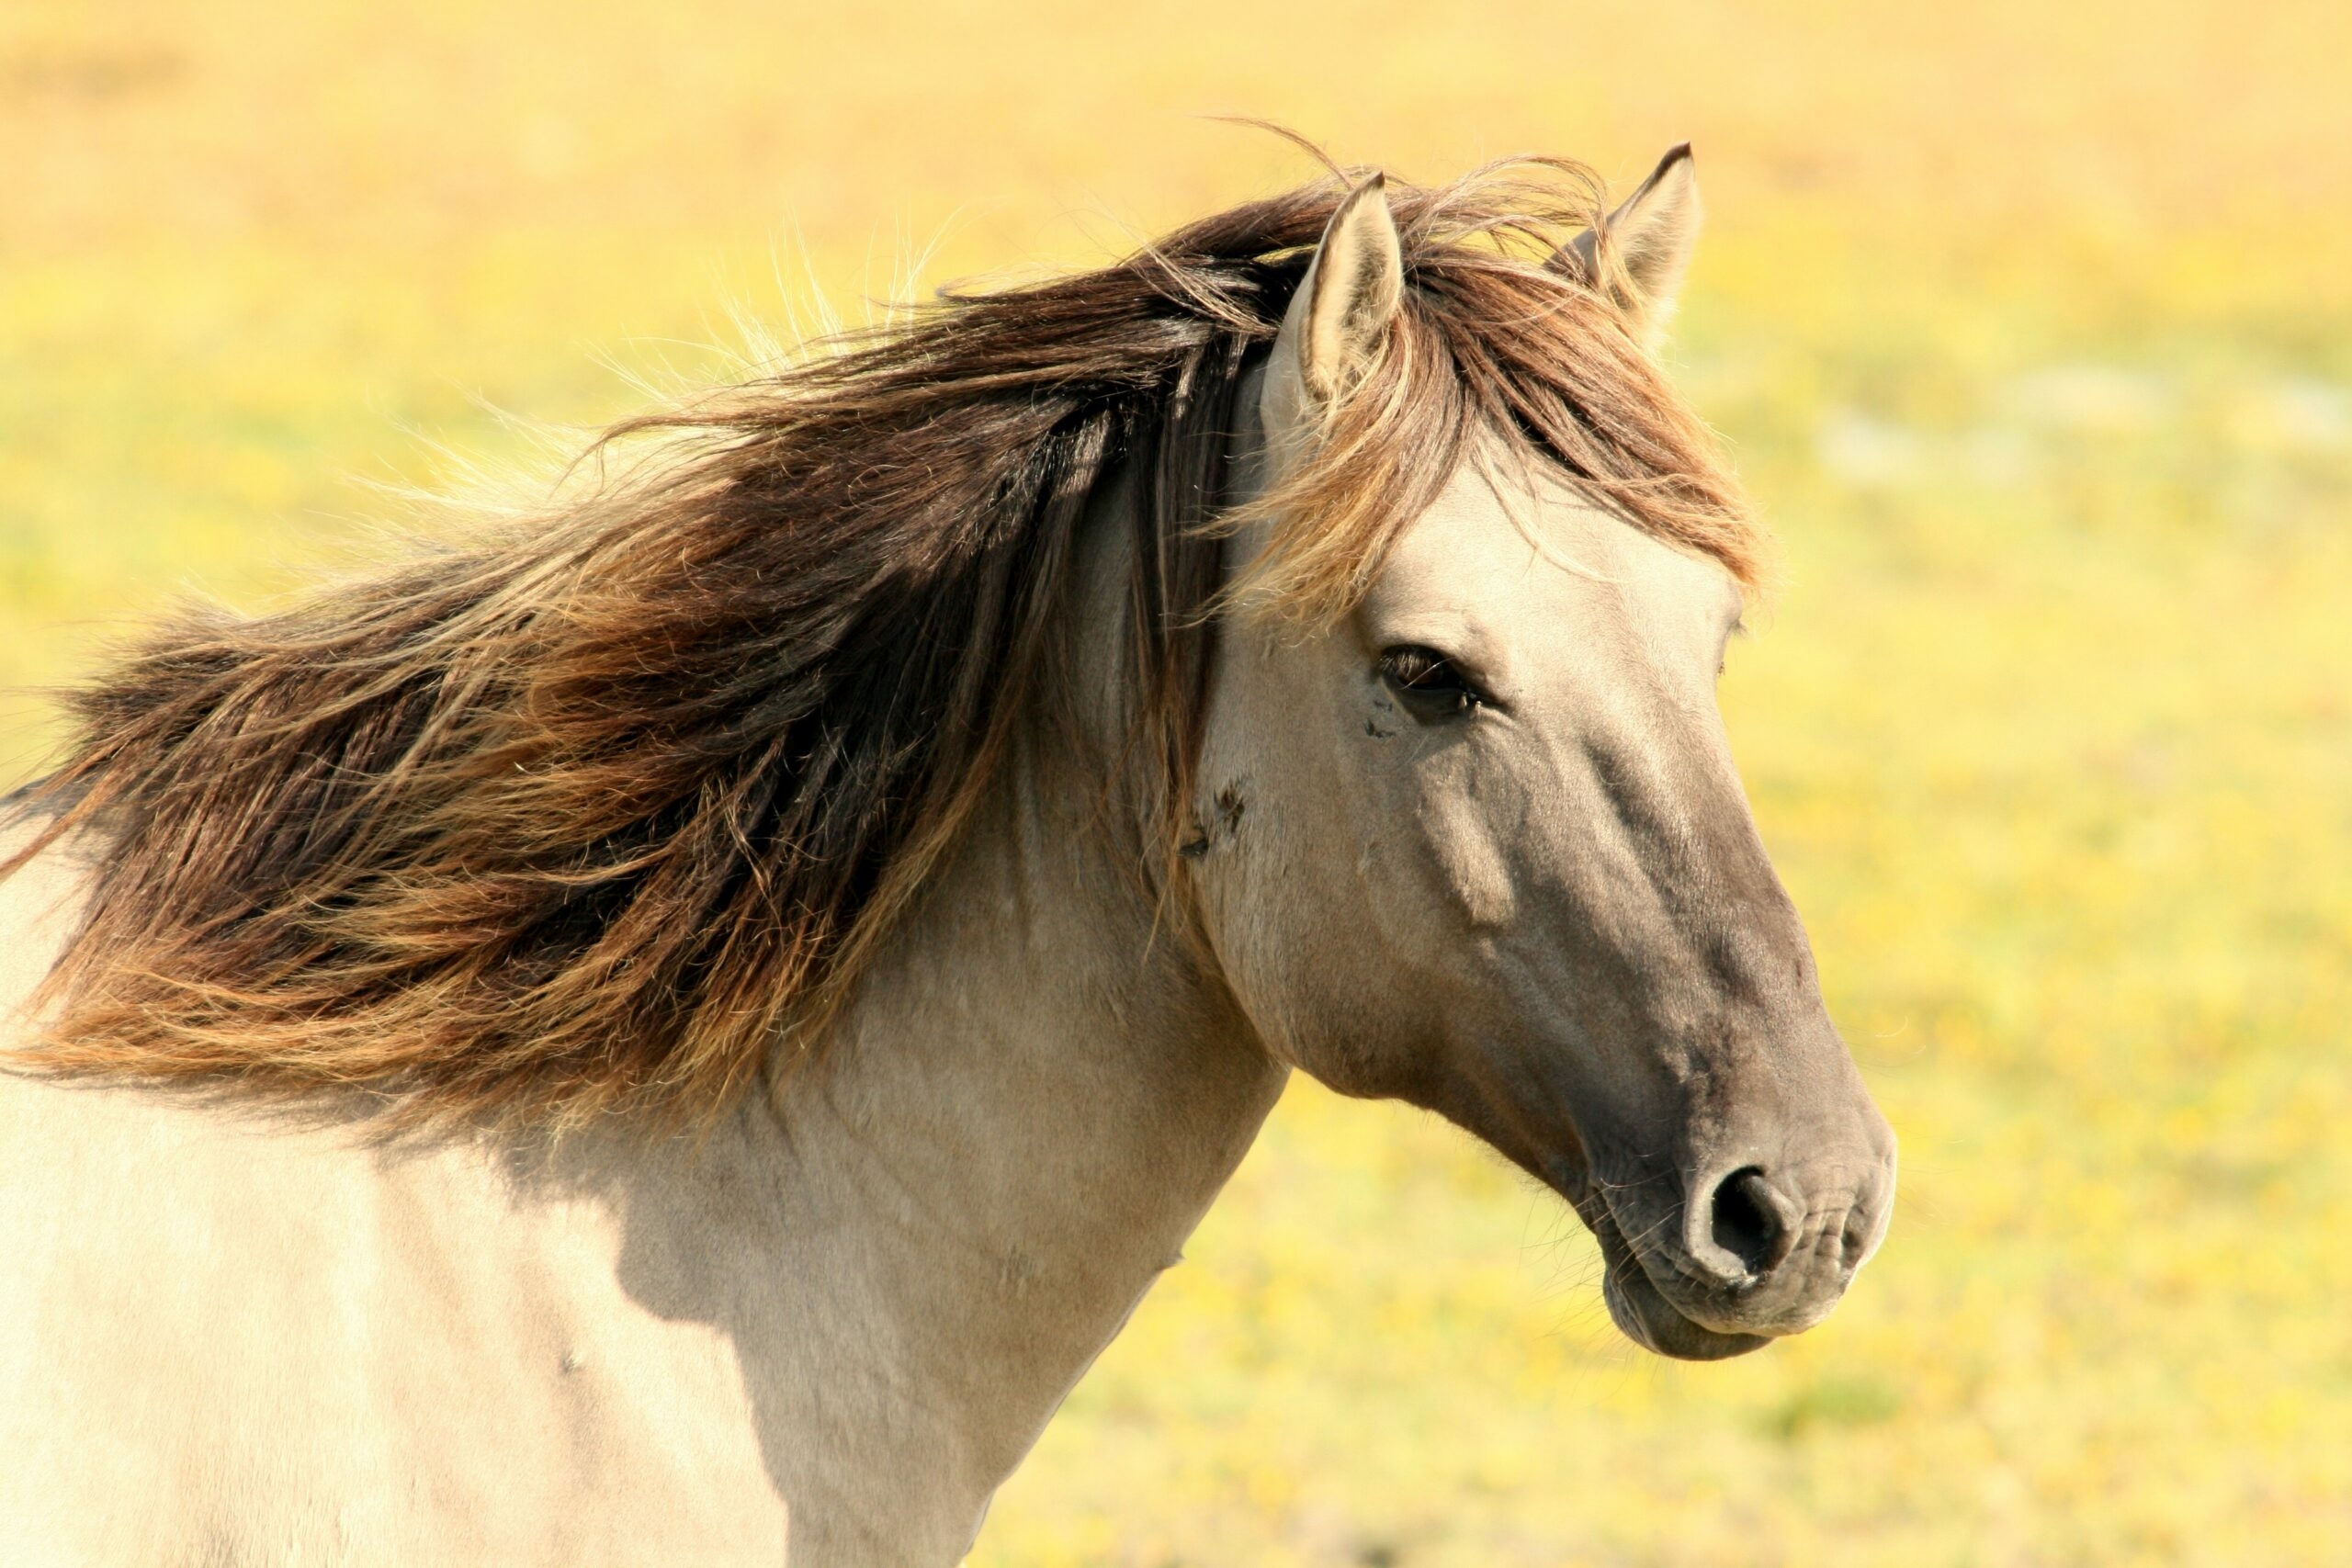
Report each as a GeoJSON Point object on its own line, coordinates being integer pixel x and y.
{"type": "Point", "coordinates": [1428, 683]}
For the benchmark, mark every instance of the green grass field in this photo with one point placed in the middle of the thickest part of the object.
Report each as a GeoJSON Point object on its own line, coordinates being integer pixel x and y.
{"type": "Point", "coordinates": [2029, 327]}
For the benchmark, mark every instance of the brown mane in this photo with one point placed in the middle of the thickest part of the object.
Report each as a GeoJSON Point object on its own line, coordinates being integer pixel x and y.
{"type": "Point", "coordinates": [597, 812]}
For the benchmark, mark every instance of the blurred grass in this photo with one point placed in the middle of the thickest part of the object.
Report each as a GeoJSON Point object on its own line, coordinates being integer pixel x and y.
{"type": "Point", "coordinates": [2029, 325]}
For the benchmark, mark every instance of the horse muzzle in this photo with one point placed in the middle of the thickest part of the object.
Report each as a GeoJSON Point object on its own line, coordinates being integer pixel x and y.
{"type": "Point", "coordinates": [1719, 1265]}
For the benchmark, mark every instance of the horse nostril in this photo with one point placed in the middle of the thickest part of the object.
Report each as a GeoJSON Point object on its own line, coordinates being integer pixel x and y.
{"type": "Point", "coordinates": [1747, 1222]}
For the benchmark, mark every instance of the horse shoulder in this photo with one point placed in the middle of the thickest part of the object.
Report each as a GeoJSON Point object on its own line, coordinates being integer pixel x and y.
{"type": "Point", "coordinates": [221, 1332]}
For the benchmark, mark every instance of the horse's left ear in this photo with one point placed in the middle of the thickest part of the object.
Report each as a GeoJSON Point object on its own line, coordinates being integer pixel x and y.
{"type": "Point", "coordinates": [1337, 322]}
{"type": "Point", "coordinates": [1650, 237]}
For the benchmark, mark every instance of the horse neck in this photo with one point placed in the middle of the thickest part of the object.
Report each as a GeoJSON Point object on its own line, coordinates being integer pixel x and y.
{"type": "Point", "coordinates": [1031, 1101]}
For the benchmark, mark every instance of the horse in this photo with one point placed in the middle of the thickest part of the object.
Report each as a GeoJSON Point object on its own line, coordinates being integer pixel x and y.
{"type": "Point", "coordinates": [674, 1026]}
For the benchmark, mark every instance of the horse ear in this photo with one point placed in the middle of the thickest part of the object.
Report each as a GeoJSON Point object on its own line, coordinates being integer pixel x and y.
{"type": "Point", "coordinates": [1650, 237]}
{"type": "Point", "coordinates": [1336, 322]}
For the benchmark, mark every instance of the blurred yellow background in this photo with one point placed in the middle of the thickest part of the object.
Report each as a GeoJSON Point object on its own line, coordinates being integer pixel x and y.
{"type": "Point", "coordinates": [2031, 327]}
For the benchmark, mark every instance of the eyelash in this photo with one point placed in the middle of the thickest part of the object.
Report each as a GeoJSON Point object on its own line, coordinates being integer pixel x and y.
{"type": "Point", "coordinates": [1431, 685]}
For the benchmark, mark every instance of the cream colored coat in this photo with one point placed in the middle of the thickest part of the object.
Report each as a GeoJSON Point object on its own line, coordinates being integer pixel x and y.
{"type": "Point", "coordinates": [831, 1329]}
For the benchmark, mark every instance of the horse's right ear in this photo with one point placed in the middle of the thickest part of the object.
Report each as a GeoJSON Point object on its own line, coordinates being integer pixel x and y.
{"type": "Point", "coordinates": [1339, 320]}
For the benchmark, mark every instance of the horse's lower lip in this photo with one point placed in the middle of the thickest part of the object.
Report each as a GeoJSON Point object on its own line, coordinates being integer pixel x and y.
{"type": "Point", "coordinates": [1640, 1309]}
{"type": "Point", "coordinates": [1649, 1320]}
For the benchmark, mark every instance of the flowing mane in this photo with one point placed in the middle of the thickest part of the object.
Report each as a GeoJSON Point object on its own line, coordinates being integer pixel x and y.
{"type": "Point", "coordinates": [609, 809]}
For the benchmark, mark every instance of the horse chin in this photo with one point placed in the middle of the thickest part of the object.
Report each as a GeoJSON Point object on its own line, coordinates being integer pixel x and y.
{"type": "Point", "coordinates": [1637, 1305]}
{"type": "Point", "coordinates": [1649, 1320]}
